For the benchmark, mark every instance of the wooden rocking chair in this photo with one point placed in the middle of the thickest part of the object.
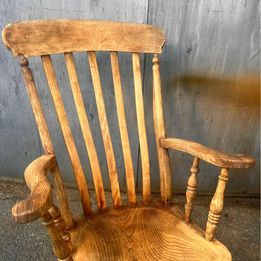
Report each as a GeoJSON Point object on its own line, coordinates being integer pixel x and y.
{"type": "Point", "coordinates": [138, 231]}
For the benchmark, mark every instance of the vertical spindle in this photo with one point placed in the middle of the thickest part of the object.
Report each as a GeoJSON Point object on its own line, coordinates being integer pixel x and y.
{"type": "Point", "coordinates": [59, 247]}
{"type": "Point", "coordinates": [216, 205]}
{"type": "Point", "coordinates": [191, 189]}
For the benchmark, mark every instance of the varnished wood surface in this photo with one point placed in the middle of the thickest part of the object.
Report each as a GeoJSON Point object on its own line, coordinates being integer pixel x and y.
{"type": "Point", "coordinates": [216, 205]}
{"type": "Point", "coordinates": [123, 127]}
{"type": "Point", "coordinates": [40, 199]}
{"type": "Point", "coordinates": [144, 152]}
{"type": "Point", "coordinates": [45, 137]}
{"type": "Point", "coordinates": [86, 131]}
{"type": "Point", "coordinates": [142, 233]}
{"type": "Point", "coordinates": [41, 37]}
{"type": "Point", "coordinates": [209, 155]}
{"type": "Point", "coordinates": [159, 130]}
{"type": "Point", "coordinates": [67, 133]}
{"type": "Point", "coordinates": [192, 187]}
{"type": "Point", "coordinates": [106, 136]}
{"type": "Point", "coordinates": [60, 248]}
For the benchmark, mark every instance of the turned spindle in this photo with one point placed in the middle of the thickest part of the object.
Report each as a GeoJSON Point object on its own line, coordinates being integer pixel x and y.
{"type": "Point", "coordinates": [61, 226]}
{"type": "Point", "coordinates": [191, 189]}
{"type": "Point", "coordinates": [59, 247]}
{"type": "Point", "coordinates": [216, 205]}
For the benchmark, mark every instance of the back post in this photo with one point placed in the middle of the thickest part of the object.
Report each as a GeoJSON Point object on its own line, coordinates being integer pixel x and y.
{"type": "Point", "coordinates": [159, 129]}
{"type": "Point", "coordinates": [45, 138]}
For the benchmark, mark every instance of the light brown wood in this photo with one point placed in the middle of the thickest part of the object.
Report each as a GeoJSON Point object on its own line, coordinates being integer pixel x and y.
{"type": "Point", "coordinates": [40, 199]}
{"type": "Point", "coordinates": [123, 128]}
{"type": "Point", "coordinates": [142, 233]}
{"type": "Point", "coordinates": [61, 226]}
{"type": "Point", "coordinates": [159, 129]}
{"type": "Point", "coordinates": [67, 134]}
{"type": "Point", "coordinates": [209, 155]}
{"type": "Point", "coordinates": [45, 138]}
{"type": "Point", "coordinates": [59, 246]}
{"type": "Point", "coordinates": [115, 189]}
{"type": "Point", "coordinates": [36, 106]}
{"type": "Point", "coordinates": [155, 232]}
{"type": "Point", "coordinates": [144, 153]}
{"type": "Point", "coordinates": [41, 37]}
{"type": "Point", "coordinates": [62, 197]}
{"type": "Point", "coordinates": [191, 189]}
{"type": "Point", "coordinates": [216, 205]}
{"type": "Point", "coordinates": [93, 158]}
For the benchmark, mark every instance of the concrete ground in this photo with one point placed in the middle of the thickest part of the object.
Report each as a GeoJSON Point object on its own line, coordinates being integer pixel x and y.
{"type": "Point", "coordinates": [239, 228]}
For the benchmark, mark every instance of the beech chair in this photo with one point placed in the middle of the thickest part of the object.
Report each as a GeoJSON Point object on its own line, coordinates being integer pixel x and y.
{"type": "Point", "coordinates": [147, 230]}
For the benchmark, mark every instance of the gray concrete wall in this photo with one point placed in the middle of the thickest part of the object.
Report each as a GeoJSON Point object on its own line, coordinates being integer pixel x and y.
{"type": "Point", "coordinates": [218, 38]}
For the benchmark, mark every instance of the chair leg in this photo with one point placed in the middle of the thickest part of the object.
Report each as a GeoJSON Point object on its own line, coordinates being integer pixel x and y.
{"type": "Point", "coordinates": [191, 189]}
{"type": "Point", "coordinates": [60, 248]}
{"type": "Point", "coordinates": [216, 205]}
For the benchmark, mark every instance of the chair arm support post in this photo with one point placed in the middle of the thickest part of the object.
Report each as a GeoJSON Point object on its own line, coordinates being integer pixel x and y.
{"type": "Point", "coordinates": [60, 224]}
{"type": "Point", "coordinates": [191, 189]}
{"type": "Point", "coordinates": [216, 205]}
{"type": "Point", "coordinates": [60, 248]}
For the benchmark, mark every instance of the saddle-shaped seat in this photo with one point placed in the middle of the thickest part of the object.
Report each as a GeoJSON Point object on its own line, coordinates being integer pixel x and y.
{"type": "Point", "coordinates": [142, 233]}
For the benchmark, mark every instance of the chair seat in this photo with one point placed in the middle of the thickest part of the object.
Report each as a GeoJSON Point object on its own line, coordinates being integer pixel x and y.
{"type": "Point", "coordinates": [142, 233]}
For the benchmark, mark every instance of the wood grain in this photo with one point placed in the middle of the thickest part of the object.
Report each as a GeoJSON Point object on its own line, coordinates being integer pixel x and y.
{"type": "Point", "coordinates": [62, 197]}
{"type": "Point", "coordinates": [123, 128]}
{"type": "Point", "coordinates": [41, 37]}
{"type": "Point", "coordinates": [192, 188]}
{"type": "Point", "coordinates": [142, 233]}
{"type": "Point", "coordinates": [67, 134]}
{"type": "Point", "coordinates": [209, 155]}
{"type": "Point", "coordinates": [159, 130]}
{"type": "Point", "coordinates": [115, 189]}
{"type": "Point", "coordinates": [144, 152]}
{"type": "Point", "coordinates": [61, 226]}
{"type": "Point", "coordinates": [89, 143]}
{"type": "Point", "coordinates": [59, 246]}
{"type": "Point", "coordinates": [45, 137]}
{"type": "Point", "coordinates": [40, 199]}
{"type": "Point", "coordinates": [216, 205]}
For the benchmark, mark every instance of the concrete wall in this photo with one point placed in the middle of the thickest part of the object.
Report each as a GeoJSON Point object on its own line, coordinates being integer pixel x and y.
{"type": "Point", "coordinates": [207, 41]}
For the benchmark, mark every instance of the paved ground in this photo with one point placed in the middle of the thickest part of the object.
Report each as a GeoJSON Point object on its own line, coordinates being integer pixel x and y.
{"type": "Point", "coordinates": [239, 228]}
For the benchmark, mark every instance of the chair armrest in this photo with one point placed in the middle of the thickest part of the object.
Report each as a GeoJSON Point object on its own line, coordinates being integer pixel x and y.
{"type": "Point", "coordinates": [40, 199]}
{"type": "Point", "coordinates": [209, 155]}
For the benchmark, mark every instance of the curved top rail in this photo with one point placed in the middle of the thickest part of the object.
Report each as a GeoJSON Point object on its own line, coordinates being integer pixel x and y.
{"type": "Point", "coordinates": [41, 37]}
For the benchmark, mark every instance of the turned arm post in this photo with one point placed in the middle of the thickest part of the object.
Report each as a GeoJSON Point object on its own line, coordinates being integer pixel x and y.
{"type": "Point", "coordinates": [60, 224]}
{"type": "Point", "coordinates": [60, 249]}
{"type": "Point", "coordinates": [216, 205]}
{"type": "Point", "coordinates": [191, 189]}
